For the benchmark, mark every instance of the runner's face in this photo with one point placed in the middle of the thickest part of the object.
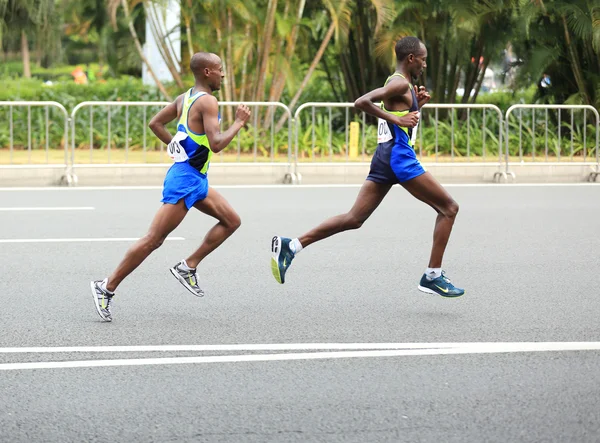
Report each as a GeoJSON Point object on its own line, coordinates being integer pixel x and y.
{"type": "Point", "coordinates": [419, 62]}
{"type": "Point", "coordinates": [216, 75]}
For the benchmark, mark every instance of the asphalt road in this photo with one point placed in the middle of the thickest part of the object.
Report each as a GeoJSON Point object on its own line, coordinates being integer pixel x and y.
{"type": "Point", "coordinates": [527, 256]}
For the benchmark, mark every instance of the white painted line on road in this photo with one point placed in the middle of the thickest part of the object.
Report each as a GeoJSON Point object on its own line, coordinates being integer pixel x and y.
{"type": "Point", "coordinates": [309, 186]}
{"type": "Point", "coordinates": [461, 348]}
{"type": "Point", "coordinates": [226, 348]}
{"type": "Point", "coordinates": [50, 208]}
{"type": "Point", "coordinates": [74, 240]}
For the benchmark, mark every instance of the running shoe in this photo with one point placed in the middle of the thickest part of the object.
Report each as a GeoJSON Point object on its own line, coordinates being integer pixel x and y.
{"type": "Point", "coordinates": [440, 286]}
{"type": "Point", "coordinates": [102, 299]}
{"type": "Point", "coordinates": [281, 258]}
{"type": "Point", "coordinates": [188, 279]}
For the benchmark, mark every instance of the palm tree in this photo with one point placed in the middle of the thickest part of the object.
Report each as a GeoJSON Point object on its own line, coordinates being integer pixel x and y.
{"type": "Point", "coordinates": [340, 15]}
{"type": "Point", "coordinates": [31, 19]}
{"type": "Point", "coordinates": [113, 6]}
{"type": "Point", "coordinates": [564, 41]}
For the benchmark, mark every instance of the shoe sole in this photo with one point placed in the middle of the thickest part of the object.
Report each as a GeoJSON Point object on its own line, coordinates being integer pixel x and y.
{"type": "Point", "coordinates": [431, 291]}
{"type": "Point", "coordinates": [185, 284]}
{"type": "Point", "coordinates": [102, 316]}
{"type": "Point", "coordinates": [276, 250]}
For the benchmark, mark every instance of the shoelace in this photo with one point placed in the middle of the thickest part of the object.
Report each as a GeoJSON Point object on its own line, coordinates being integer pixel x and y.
{"type": "Point", "coordinates": [446, 279]}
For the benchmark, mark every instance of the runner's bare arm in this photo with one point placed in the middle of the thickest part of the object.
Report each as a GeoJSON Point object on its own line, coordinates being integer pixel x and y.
{"type": "Point", "coordinates": [210, 116]}
{"type": "Point", "coordinates": [163, 118]}
{"type": "Point", "coordinates": [394, 88]}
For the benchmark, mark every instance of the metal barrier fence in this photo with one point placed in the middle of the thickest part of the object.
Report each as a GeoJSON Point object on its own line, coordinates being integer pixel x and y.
{"type": "Point", "coordinates": [479, 137]}
{"type": "Point", "coordinates": [319, 125]}
{"type": "Point", "coordinates": [450, 134]}
{"type": "Point", "coordinates": [33, 130]}
{"type": "Point", "coordinates": [113, 135]}
{"type": "Point", "coordinates": [126, 141]}
{"type": "Point", "coordinates": [126, 130]}
{"type": "Point", "coordinates": [575, 130]}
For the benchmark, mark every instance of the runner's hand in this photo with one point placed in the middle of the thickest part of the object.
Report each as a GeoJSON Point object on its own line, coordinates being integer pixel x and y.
{"type": "Point", "coordinates": [410, 120]}
{"type": "Point", "coordinates": [242, 114]}
{"type": "Point", "coordinates": [422, 95]}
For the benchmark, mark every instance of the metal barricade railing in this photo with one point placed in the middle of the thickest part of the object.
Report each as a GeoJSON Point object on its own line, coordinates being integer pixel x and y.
{"type": "Point", "coordinates": [51, 132]}
{"type": "Point", "coordinates": [468, 127]}
{"type": "Point", "coordinates": [97, 138]}
{"type": "Point", "coordinates": [471, 140]}
{"type": "Point", "coordinates": [258, 133]}
{"type": "Point", "coordinates": [329, 142]}
{"type": "Point", "coordinates": [575, 129]}
{"type": "Point", "coordinates": [124, 131]}
{"type": "Point", "coordinates": [121, 128]}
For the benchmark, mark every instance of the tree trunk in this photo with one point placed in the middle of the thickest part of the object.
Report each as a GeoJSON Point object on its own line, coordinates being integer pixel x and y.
{"type": "Point", "coordinates": [229, 55]}
{"type": "Point", "coordinates": [311, 69]}
{"type": "Point", "coordinates": [188, 28]}
{"type": "Point", "coordinates": [456, 83]}
{"type": "Point", "coordinates": [471, 78]}
{"type": "Point", "coordinates": [166, 49]}
{"type": "Point", "coordinates": [277, 75]}
{"type": "Point", "coordinates": [259, 93]}
{"type": "Point", "coordinates": [188, 33]}
{"type": "Point", "coordinates": [290, 49]}
{"type": "Point", "coordinates": [332, 82]}
{"type": "Point", "coordinates": [433, 66]}
{"type": "Point", "coordinates": [480, 80]}
{"type": "Point", "coordinates": [451, 84]}
{"type": "Point", "coordinates": [244, 70]}
{"type": "Point", "coordinates": [575, 64]}
{"type": "Point", "coordinates": [362, 47]}
{"type": "Point", "coordinates": [352, 89]}
{"type": "Point", "coordinates": [224, 91]}
{"type": "Point", "coordinates": [440, 90]}
{"type": "Point", "coordinates": [25, 54]}
{"type": "Point", "coordinates": [138, 46]}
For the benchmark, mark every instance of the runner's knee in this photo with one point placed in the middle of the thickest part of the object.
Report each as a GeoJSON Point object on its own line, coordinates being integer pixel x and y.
{"type": "Point", "coordinates": [153, 241]}
{"type": "Point", "coordinates": [451, 209]}
{"type": "Point", "coordinates": [232, 222]}
{"type": "Point", "coordinates": [353, 221]}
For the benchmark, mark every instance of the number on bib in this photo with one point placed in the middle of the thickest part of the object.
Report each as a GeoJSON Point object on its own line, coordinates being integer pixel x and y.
{"type": "Point", "coordinates": [175, 150]}
{"type": "Point", "coordinates": [383, 131]}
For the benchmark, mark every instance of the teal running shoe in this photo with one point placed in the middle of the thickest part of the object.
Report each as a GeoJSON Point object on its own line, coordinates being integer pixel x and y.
{"type": "Point", "coordinates": [281, 258]}
{"type": "Point", "coordinates": [440, 286]}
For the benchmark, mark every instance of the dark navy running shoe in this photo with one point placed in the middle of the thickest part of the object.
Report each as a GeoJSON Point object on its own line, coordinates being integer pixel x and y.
{"type": "Point", "coordinates": [282, 257]}
{"type": "Point", "coordinates": [440, 286]}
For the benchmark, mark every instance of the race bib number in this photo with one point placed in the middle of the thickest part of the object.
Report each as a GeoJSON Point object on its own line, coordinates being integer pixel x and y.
{"type": "Point", "coordinates": [175, 150]}
{"type": "Point", "coordinates": [383, 131]}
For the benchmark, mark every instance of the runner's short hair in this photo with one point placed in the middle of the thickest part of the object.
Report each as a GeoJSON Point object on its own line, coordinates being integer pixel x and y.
{"type": "Point", "coordinates": [406, 46]}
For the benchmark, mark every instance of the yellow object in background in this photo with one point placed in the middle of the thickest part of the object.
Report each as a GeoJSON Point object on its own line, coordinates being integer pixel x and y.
{"type": "Point", "coordinates": [354, 131]}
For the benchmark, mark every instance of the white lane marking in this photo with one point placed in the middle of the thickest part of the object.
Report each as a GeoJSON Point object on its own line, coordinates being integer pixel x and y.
{"type": "Point", "coordinates": [74, 240]}
{"type": "Point", "coordinates": [458, 349]}
{"type": "Point", "coordinates": [308, 186]}
{"type": "Point", "coordinates": [50, 208]}
{"type": "Point", "coordinates": [225, 348]}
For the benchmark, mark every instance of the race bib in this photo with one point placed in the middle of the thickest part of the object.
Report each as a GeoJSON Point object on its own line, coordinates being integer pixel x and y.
{"type": "Point", "coordinates": [383, 131]}
{"type": "Point", "coordinates": [175, 150]}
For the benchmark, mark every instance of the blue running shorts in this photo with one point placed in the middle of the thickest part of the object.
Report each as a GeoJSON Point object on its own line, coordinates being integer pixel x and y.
{"type": "Point", "coordinates": [184, 182]}
{"type": "Point", "coordinates": [394, 163]}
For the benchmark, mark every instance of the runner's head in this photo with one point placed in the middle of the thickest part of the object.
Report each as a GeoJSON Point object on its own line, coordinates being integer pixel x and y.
{"type": "Point", "coordinates": [207, 69]}
{"type": "Point", "coordinates": [412, 52]}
